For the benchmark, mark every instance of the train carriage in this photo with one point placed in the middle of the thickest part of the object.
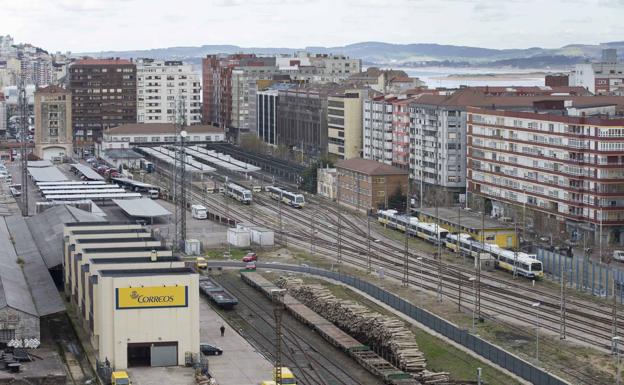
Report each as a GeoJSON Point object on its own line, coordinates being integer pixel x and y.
{"type": "Point", "coordinates": [287, 197]}
{"type": "Point", "coordinates": [431, 232]}
{"type": "Point", "coordinates": [387, 218]}
{"type": "Point", "coordinates": [239, 193]}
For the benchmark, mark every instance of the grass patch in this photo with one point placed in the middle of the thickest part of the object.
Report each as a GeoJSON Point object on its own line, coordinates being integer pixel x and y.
{"type": "Point", "coordinates": [219, 253]}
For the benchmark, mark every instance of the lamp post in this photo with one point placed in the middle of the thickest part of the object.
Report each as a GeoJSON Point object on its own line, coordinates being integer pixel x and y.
{"type": "Point", "coordinates": [419, 261]}
{"type": "Point", "coordinates": [536, 305]}
{"type": "Point", "coordinates": [615, 340]}
{"type": "Point", "coordinates": [474, 302]}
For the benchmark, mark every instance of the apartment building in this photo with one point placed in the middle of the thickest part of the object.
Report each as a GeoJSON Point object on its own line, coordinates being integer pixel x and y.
{"type": "Point", "coordinates": [53, 123]}
{"type": "Point", "coordinates": [302, 118]}
{"type": "Point", "coordinates": [344, 124]}
{"type": "Point", "coordinates": [561, 159]}
{"type": "Point", "coordinates": [377, 128]}
{"type": "Point", "coordinates": [603, 78]}
{"type": "Point", "coordinates": [104, 93]}
{"type": "Point", "coordinates": [333, 68]}
{"type": "Point", "coordinates": [161, 85]}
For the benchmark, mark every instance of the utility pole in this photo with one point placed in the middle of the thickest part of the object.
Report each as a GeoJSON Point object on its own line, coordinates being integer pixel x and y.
{"type": "Point", "coordinates": [339, 232]}
{"type": "Point", "coordinates": [279, 211]}
{"type": "Point", "coordinates": [278, 305]}
{"type": "Point", "coordinates": [313, 232]}
{"type": "Point", "coordinates": [478, 267]}
{"type": "Point", "coordinates": [562, 312]}
{"type": "Point", "coordinates": [23, 112]}
{"type": "Point", "coordinates": [179, 176]}
{"type": "Point", "coordinates": [368, 241]}
{"type": "Point", "coordinates": [615, 312]}
{"type": "Point", "coordinates": [438, 241]}
{"type": "Point", "coordinates": [515, 266]}
{"type": "Point", "coordinates": [407, 225]}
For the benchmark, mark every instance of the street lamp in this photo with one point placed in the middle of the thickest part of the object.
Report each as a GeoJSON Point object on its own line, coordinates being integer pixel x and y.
{"type": "Point", "coordinates": [536, 305]}
{"type": "Point", "coordinates": [474, 302]}
{"type": "Point", "coordinates": [615, 340]}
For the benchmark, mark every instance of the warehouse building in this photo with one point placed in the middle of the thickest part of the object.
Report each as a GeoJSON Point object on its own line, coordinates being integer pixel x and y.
{"type": "Point", "coordinates": [139, 303]}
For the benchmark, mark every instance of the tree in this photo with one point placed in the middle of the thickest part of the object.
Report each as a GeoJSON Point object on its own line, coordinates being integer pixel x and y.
{"type": "Point", "coordinates": [309, 175]}
{"type": "Point", "coordinates": [397, 200]}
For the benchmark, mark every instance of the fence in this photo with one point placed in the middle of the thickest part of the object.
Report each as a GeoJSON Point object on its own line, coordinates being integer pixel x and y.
{"type": "Point", "coordinates": [481, 347]}
{"type": "Point", "coordinates": [583, 274]}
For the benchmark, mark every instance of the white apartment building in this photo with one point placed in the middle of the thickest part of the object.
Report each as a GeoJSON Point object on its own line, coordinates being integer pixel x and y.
{"type": "Point", "coordinates": [334, 68]}
{"type": "Point", "coordinates": [603, 78]}
{"type": "Point", "coordinates": [566, 164]}
{"type": "Point", "coordinates": [160, 84]}
{"type": "Point", "coordinates": [244, 87]}
{"type": "Point", "coordinates": [437, 143]}
{"type": "Point", "coordinates": [377, 128]}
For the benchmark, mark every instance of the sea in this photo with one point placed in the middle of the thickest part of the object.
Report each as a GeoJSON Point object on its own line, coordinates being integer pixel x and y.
{"type": "Point", "coordinates": [453, 77]}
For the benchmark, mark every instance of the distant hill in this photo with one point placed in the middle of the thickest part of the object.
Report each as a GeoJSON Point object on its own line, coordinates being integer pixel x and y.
{"type": "Point", "coordinates": [386, 54]}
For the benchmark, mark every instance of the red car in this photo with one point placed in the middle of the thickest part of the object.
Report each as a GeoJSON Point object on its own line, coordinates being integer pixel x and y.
{"type": "Point", "coordinates": [250, 257]}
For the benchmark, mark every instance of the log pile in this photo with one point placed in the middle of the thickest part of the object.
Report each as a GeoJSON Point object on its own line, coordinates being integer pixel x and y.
{"type": "Point", "coordinates": [371, 328]}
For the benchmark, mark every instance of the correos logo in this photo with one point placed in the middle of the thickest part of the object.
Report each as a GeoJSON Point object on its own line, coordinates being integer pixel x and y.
{"type": "Point", "coordinates": [151, 298]}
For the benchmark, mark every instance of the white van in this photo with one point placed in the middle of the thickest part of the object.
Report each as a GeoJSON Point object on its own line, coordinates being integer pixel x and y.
{"type": "Point", "coordinates": [154, 194]}
{"type": "Point", "coordinates": [618, 255]}
{"type": "Point", "coordinates": [199, 212]}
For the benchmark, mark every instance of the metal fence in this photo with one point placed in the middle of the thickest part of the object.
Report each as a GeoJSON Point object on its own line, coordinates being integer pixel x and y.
{"type": "Point", "coordinates": [499, 356]}
{"type": "Point", "coordinates": [583, 274]}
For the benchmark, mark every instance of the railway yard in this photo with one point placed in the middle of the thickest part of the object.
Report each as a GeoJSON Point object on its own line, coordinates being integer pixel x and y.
{"type": "Point", "coordinates": [503, 305]}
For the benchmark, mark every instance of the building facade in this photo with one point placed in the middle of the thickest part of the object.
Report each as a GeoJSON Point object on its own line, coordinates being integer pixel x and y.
{"type": "Point", "coordinates": [266, 113]}
{"type": "Point", "coordinates": [104, 95]}
{"type": "Point", "coordinates": [603, 78]}
{"type": "Point", "coordinates": [161, 85]}
{"type": "Point", "coordinates": [344, 124]}
{"type": "Point", "coordinates": [156, 134]}
{"type": "Point", "coordinates": [566, 164]}
{"type": "Point", "coordinates": [365, 185]}
{"type": "Point", "coordinates": [53, 123]}
{"type": "Point", "coordinates": [326, 182]}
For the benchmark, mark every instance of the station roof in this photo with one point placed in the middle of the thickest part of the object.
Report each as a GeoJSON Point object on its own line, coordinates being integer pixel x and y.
{"type": "Point", "coordinates": [161, 128]}
{"type": "Point", "coordinates": [14, 290]}
{"type": "Point", "coordinates": [72, 183]}
{"type": "Point", "coordinates": [145, 208]}
{"type": "Point", "coordinates": [221, 160]}
{"type": "Point", "coordinates": [147, 249]}
{"type": "Point", "coordinates": [46, 174]}
{"type": "Point", "coordinates": [97, 260]}
{"type": "Point", "coordinates": [87, 171]}
{"type": "Point", "coordinates": [93, 195]}
{"type": "Point", "coordinates": [469, 219]}
{"type": "Point", "coordinates": [42, 288]}
{"type": "Point", "coordinates": [146, 272]}
{"type": "Point", "coordinates": [115, 240]}
{"type": "Point", "coordinates": [39, 163]}
{"type": "Point", "coordinates": [133, 182]}
{"type": "Point", "coordinates": [48, 227]}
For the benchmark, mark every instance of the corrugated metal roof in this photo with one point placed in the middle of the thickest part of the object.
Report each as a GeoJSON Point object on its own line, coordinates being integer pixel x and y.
{"type": "Point", "coordinates": [144, 207]}
{"type": "Point", "coordinates": [87, 171]}
{"type": "Point", "coordinates": [14, 291]}
{"type": "Point", "coordinates": [43, 291]}
{"type": "Point", "coordinates": [39, 163]}
{"type": "Point", "coordinates": [48, 227]}
{"type": "Point", "coordinates": [46, 174]}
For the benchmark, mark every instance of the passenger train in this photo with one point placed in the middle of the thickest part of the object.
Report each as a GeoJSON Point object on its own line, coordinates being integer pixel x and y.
{"type": "Point", "coordinates": [524, 264]}
{"type": "Point", "coordinates": [237, 192]}
{"type": "Point", "coordinates": [289, 198]}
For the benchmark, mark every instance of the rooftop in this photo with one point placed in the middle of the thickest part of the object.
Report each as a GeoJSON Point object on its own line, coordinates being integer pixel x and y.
{"type": "Point", "coordinates": [469, 219]}
{"type": "Point", "coordinates": [100, 62]}
{"type": "Point", "coordinates": [159, 128]}
{"type": "Point", "coordinates": [52, 89]}
{"type": "Point", "coordinates": [146, 272]}
{"type": "Point", "coordinates": [370, 167]}
{"type": "Point", "coordinates": [96, 260]}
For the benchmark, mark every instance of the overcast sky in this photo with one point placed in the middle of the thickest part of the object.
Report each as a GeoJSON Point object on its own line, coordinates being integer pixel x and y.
{"type": "Point", "coordinates": [97, 25]}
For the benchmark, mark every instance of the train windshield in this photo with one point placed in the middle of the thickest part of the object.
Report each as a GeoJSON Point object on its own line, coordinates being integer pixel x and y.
{"type": "Point", "coordinates": [246, 195]}
{"type": "Point", "coordinates": [536, 266]}
{"type": "Point", "coordinates": [298, 199]}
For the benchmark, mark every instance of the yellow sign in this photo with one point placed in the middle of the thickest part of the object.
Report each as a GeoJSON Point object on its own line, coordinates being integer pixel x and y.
{"type": "Point", "coordinates": [151, 297]}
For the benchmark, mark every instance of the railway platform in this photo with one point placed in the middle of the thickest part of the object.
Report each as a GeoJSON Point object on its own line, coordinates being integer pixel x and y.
{"type": "Point", "coordinates": [240, 363]}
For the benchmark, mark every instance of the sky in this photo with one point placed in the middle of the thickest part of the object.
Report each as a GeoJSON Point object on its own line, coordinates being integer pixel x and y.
{"type": "Point", "coordinates": [102, 25]}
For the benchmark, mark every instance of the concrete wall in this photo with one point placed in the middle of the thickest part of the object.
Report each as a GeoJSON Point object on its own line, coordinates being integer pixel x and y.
{"type": "Point", "coordinates": [25, 325]}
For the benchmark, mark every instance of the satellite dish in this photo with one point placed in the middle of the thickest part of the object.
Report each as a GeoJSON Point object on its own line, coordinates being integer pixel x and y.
{"type": "Point", "coordinates": [183, 134]}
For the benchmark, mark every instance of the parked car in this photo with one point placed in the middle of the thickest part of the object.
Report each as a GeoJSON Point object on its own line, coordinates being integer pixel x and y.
{"type": "Point", "coordinates": [250, 257]}
{"type": "Point", "coordinates": [250, 266]}
{"type": "Point", "coordinates": [210, 350]}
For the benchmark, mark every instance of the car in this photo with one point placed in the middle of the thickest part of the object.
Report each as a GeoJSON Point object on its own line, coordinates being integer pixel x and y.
{"type": "Point", "coordinates": [250, 257]}
{"type": "Point", "coordinates": [210, 350]}
{"type": "Point", "coordinates": [250, 266]}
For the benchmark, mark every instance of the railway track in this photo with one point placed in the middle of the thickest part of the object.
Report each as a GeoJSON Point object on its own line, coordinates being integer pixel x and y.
{"type": "Point", "coordinates": [317, 367]}
{"type": "Point", "coordinates": [500, 297]}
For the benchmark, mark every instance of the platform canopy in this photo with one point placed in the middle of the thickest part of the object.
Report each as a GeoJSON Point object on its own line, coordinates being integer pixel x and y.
{"type": "Point", "coordinates": [46, 174]}
{"type": "Point", "coordinates": [87, 171]}
{"type": "Point", "coordinates": [144, 208]}
{"type": "Point", "coordinates": [39, 163]}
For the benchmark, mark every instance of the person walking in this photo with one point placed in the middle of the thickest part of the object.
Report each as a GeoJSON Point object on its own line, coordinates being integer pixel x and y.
{"type": "Point", "coordinates": [222, 328]}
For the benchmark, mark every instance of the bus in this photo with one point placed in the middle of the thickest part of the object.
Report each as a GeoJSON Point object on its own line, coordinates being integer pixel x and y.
{"type": "Point", "coordinates": [289, 198]}
{"type": "Point", "coordinates": [239, 193]}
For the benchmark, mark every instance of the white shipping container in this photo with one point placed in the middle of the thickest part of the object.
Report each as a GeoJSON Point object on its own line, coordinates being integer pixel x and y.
{"type": "Point", "coordinates": [239, 237]}
{"type": "Point", "coordinates": [262, 236]}
{"type": "Point", "coordinates": [192, 247]}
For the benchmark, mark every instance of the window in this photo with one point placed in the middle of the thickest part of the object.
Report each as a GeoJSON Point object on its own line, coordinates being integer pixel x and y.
{"type": "Point", "coordinates": [7, 335]}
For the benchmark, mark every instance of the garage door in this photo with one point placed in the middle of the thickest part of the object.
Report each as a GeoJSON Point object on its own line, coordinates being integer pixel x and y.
{"type": "Point", "coordinates": [164, 354]}
{"type": "Point", "coordinates": [53, 152]}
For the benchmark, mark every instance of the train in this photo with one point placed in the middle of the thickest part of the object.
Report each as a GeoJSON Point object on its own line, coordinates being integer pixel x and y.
{"type": "Point", "coordinates": [366, 357]}
{"type": "Point", "coordinates": [287, 197]}
{"type": "Point", "coordinates": [238, 192]}
{"type": "Point", "coordinates": [523, 264]}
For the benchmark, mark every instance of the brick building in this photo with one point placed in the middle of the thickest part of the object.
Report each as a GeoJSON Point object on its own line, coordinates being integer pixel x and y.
{"type": "Point", "coordinates": [364, 184]}
{"type": "Point", "coordinates": [53, 123]}
{"type": "Point", "coordinates": [104, 93]}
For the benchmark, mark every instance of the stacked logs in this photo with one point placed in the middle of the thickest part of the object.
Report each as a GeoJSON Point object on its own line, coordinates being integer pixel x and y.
{"type": "Point", "coordinates": [368, 327]}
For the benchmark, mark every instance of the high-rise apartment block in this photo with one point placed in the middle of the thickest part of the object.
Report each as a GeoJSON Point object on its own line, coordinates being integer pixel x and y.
{"type": "Point", "coordinates": [377, 128]}
{"type": "Point", "coordinates": [104, 93]}
{"type": "Point", "coordinates": [344, 124]}
{"type": "Point", "coordinates": [562, 158]}
{"type": "Point", "coordinates": [53, 123]}
{"type": "Point", "coordinates": [160, 84]}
